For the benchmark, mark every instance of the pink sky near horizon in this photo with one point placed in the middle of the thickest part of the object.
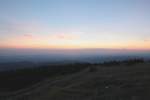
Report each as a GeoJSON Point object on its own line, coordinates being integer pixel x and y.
{"type": "Point", "coordinates": [110, 24]}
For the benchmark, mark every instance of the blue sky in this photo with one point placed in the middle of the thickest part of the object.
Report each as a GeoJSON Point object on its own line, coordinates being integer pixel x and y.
{"type": "Point", "coordinates": [75, 23]}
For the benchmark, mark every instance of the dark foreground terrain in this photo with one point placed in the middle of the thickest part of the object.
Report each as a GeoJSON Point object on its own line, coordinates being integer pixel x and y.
{"type": "Point", "coordinates": [126, 80]}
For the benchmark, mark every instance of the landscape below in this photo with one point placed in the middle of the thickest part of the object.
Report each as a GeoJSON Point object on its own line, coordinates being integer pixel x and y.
{"type": "Point", "coordinates": [113, 80]}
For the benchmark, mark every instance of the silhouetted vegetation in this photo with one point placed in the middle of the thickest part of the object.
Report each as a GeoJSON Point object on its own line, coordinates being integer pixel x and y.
{"type": "Point", "coordinates": [134, 61]}
{"type": "Point", "coordinates": [92, 68]}
{"type": "Point", "coordinates": [126, 62]}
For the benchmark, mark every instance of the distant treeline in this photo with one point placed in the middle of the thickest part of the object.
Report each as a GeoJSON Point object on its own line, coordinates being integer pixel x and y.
{"type": "Point", "coordinates": [125, 62]}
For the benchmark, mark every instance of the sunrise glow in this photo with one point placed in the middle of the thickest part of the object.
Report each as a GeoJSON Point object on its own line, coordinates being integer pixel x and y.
{"type": "Point", "coordinates": [75, 24]}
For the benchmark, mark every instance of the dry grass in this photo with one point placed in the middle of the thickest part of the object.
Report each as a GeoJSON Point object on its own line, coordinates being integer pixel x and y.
{"type": "Point", "coordinates": [118, 82]}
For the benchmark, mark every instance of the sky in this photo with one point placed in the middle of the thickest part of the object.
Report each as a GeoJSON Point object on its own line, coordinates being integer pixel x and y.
{"type": "Point", "coordinates": [117, 24]}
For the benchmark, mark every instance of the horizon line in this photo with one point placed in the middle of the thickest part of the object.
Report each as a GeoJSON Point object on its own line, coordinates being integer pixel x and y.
{"type": "Point", "coordinates": [124, 49]}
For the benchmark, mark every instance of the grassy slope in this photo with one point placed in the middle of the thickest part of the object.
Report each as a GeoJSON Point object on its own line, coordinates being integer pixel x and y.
{"type": "Point", "coordinates": [118, 82]}
{"type": "Point", "coordinates": [107, 83]}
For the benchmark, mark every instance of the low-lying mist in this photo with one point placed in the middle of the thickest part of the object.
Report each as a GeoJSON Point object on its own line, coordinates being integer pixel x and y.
{"type": "Point", "coordinates": [53, 55]}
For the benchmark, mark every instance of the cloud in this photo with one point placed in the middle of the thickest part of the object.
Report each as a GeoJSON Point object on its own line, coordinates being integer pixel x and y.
{"type": "Point", "coordinates": [29, 36]}
{"type": "Point", "coordinates": [16, 27]}
{"type": "Point", "coordinates": [64, 36]}
{"type": "Point", "coordinates": [146, 40]}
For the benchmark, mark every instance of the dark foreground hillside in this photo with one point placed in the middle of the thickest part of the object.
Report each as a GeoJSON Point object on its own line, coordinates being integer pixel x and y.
{"type": "Point", "coordinates": [108, 81]}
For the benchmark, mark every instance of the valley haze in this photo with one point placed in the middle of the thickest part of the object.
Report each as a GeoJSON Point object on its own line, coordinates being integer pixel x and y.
{"type": "Point", "coordinates": [35, 57]}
